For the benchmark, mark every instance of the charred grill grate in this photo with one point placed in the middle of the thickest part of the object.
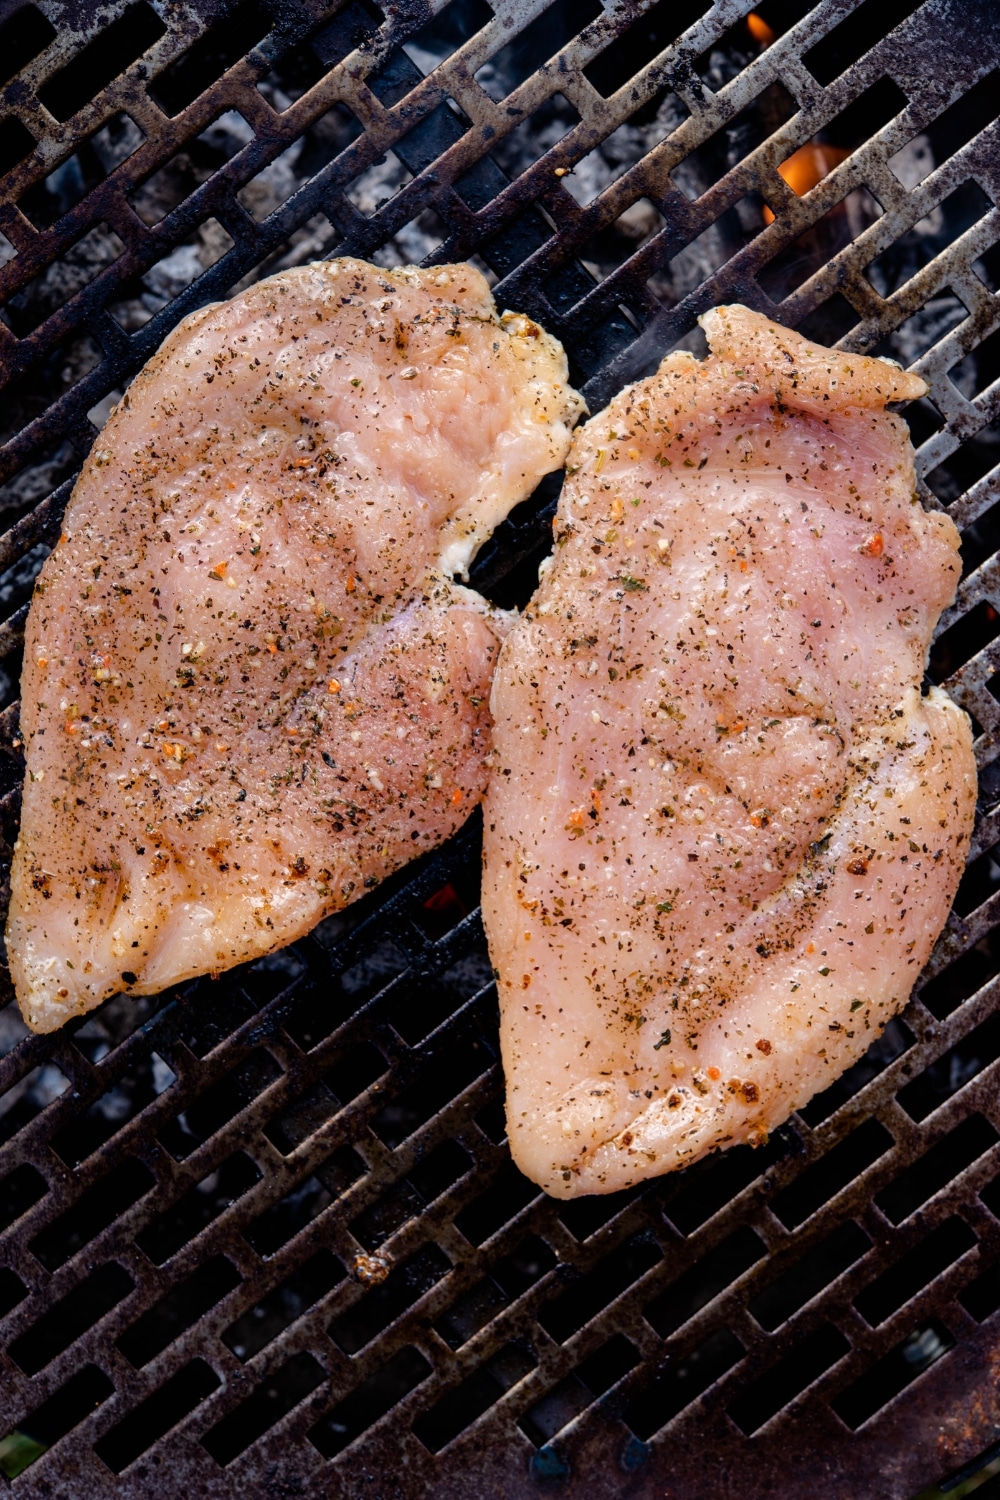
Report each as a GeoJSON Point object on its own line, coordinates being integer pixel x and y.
{"type": "Point", "coordinates": [264, 1230]}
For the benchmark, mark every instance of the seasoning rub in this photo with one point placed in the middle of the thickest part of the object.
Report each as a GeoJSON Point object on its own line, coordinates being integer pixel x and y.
{"type": "Point", "coordinates": [251, 688]}
{"type": "Point", "coordinates": [724, 826]}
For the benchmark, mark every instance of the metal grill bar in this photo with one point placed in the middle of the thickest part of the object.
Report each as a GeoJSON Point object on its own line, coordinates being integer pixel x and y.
{"type": "Point", "coordinates": [265, 1231]}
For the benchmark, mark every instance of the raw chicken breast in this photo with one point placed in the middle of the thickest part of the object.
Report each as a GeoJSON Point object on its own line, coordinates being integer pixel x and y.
{"type": "Point", "coordinates": [250, 688]}
{"type": "Point", "coordinates": [724, 827]}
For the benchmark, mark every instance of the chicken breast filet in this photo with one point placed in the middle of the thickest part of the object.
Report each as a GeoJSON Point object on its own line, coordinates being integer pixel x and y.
{"type": "Point", "coordinates": [251, 688]}
{"type": "Point", "coordinates": [724, 827]}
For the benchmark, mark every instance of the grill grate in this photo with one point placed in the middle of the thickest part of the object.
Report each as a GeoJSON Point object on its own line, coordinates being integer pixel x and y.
{"type": "Point", "coordinates": [264, 1230]}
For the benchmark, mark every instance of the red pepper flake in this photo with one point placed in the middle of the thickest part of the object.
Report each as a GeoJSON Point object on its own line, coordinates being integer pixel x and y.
{"type": "Point", "coordinates": [595, 798]}
{"type": "Point", "coordinates": [219, 570]}
{"type": "Point", "coordinates": [333, 686]}
{"type": "Point", "coordinates": [714, 1074]}
{"type": "Point", "coordinates": [351, 584]}
{"type": "Point", "coordinates": [456, 796]}
{"type": "Point", "coordinates": [763, 1045]}
{"type": "Point", "coordinates": [874, 546]}
{"type": "Point", "coordinates": [760, 818]}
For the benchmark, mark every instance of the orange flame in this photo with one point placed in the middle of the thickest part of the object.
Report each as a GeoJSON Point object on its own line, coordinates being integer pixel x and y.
{"type": "Point", "coordinates": [759, 29]}
{"type": "Point", "coordinates": [806, 167]}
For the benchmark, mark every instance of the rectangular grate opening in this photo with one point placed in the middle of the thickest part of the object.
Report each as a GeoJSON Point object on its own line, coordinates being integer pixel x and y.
{"type": "Point", "coordinates": [96, 1209]}
{"type": "Point", "coordinates": [893, 1373]}
{"type": "Point", "coordinates": [46, 202]}
{"type": "Point", "coordinates": [16, 141]}
{"type": "Point", "coordinates": [915, 1270]}
{"type": "Point", "coordinates": [596, 1375]}
{"type": "Point", "coordinates": [12, 1290]}
{"type": "Point", "coordinates": [210, 1111]}
{"type": "Point", "coordinates": [948, 1074]}
{"type": "Point", "coordinates": [22, 37]}
{"type": "Point", "coordinates": [506, 1196]}
{"type": "Point", "coordinates": [383, 1304]}
{"type": "Point", "coordinates": [122, 1444]}
{"type": "Point", "coordinates": [937, 1167]}
{"type": "Point", "coordinates": [714, 1184]}
{"type": "Point", "coordinates": [202, 1203]}
{"type": "Point", "coordinates": [369, 1401]}
{"type": "Point", "coordinates": [681, 1382]}
{"type": "Point", "coordinates": [583, 1217]}
{"type": "Point", "coordinates": [640, 42]}
{"type": "Point", "coordinates": [981, 1297]}
{"type": "Point", "coordinates": [219, 48]}
{"type": "Point", "coordinates": [509, 1278]}
{"type": "Point", "coordinates": [168, 1318]}
{"type": "Point", "coordinates": [84, 1135]}
{"type": "Point", "coordinates": [810, 1358]}
{"type": "Point", "coordinates": [540, 40]}
{"type": "Point", "coordinates": [269, 1317]}
{"type": "Point", "coordinates": [19, 1191]}
{"type": "Point", "coordinates": [461, 1407]}
{"type": "Point", "coordinates": [25, 1102]}
{"type": "Point", "coordinates": [703, 1282]}
{"type": "Point", "coordinates": [828, 1176]}
{"type": "Point", "coordinates": [427, 1181]}
{"type": "Point", "coordinates": [70, 1317]}
{"type": "Point", "coordinates": [280, 1223]}
{"type": "Point", "coordinates": [808, 1277]}
{"type": "Point", "coordinates": [65, 1409]}
{"type": "Point", "coordinates": [100, 61]}
{"type": "Point", "coordinates": [850, 39]}
{"type": "Point", "coordinates": [950, 131]}
{"type": "Point", "coordinates": [280, 1392]}
{"type": "Point", "coordinates": [611, 1276]}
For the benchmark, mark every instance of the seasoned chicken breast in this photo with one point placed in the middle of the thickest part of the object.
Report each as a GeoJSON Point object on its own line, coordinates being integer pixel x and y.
{"type": "Point", "coordinates": [724, 827]}
{"type": "Point", "coordinates": [250, 687]}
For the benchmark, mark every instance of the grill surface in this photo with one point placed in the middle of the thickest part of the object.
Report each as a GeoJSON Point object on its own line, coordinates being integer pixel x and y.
{"type": "Point", "coordinates": [262, 1234]}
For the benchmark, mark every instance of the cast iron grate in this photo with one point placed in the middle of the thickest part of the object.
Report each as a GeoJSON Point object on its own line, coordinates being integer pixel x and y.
{"type": "Point", "coordinates": [264, 1231]}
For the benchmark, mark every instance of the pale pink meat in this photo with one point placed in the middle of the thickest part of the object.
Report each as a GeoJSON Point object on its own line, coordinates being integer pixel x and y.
{"type": "Point", "coordinates": [724, 827]}
{"type": "Point", "coordinates": [251, 688]}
